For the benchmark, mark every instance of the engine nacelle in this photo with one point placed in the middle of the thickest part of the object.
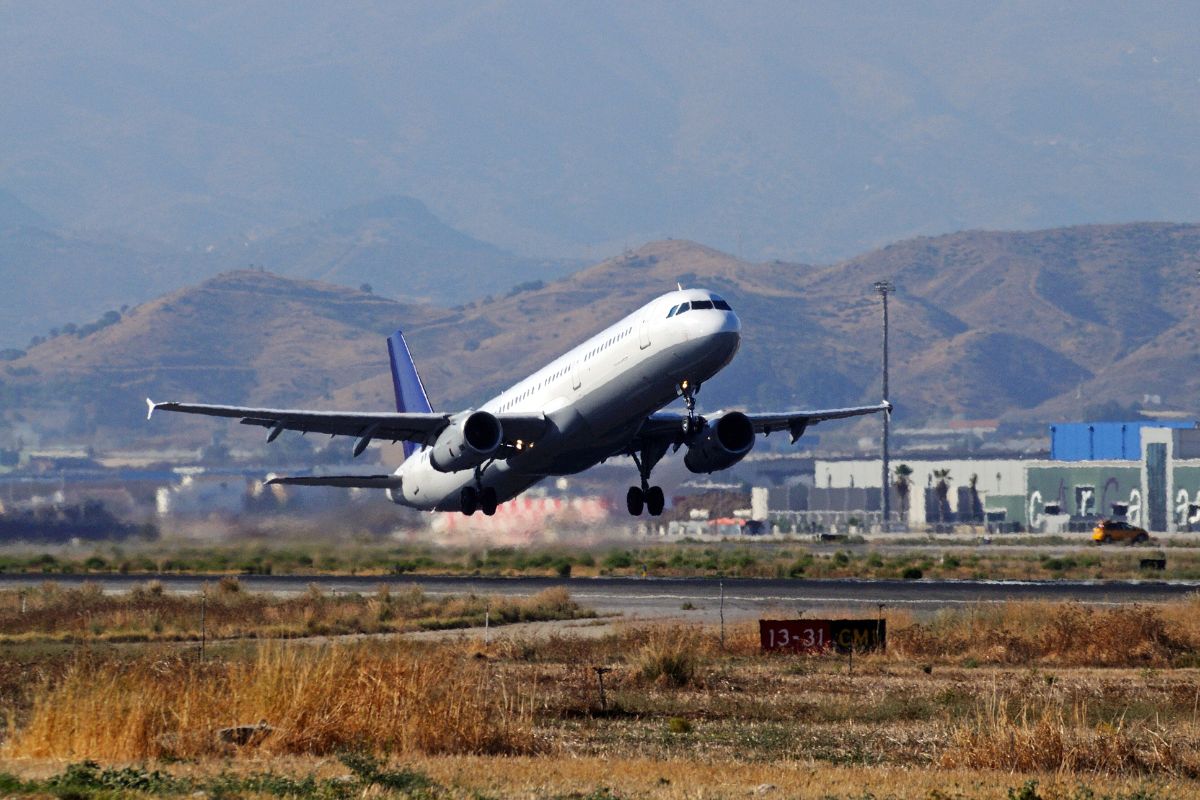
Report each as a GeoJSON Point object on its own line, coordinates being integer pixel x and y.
{"type": "Point", "coordinates": [723, 442]}
{"type": "Point", "coordinates": [467, 442]}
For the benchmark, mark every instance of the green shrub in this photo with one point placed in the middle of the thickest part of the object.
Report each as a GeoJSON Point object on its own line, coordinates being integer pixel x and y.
{"type": "Point", "coordinates": [679, 725]}
{"type": "Point", "coordinates": [618, 559]}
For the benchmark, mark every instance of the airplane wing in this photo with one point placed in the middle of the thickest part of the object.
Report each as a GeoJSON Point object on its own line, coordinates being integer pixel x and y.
{"type": "Point", "coordinates": [421, 427]}
{"type": "Point", "coordinates": [667, 426]}
{"type": "Point", "coordinates": [343, 481]}
{"type": "Point", "coordinates": [796, 422]}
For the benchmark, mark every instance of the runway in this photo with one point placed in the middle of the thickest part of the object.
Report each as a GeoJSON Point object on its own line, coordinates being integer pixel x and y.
{"type": "Point", "coordinates": [698, 599]}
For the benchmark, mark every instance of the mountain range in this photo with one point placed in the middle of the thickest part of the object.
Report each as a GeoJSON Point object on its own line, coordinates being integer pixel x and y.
{"type": "Point", "coordinates": [1035, 326]}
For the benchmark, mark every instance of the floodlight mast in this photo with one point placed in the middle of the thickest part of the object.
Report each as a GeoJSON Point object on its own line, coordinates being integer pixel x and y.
{"type": "Point", "coordinates": [883, 289]}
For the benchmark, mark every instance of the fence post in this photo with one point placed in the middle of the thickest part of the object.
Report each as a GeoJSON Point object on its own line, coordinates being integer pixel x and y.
{"type": "Point", "coordinates": [721, 584]}
{"type": "Point", "coordinates": [600, 681]}
{"type": "Point", "coordinates": [203, 621]}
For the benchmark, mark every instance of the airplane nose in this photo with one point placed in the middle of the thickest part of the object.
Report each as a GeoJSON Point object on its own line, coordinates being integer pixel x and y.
{"type": "Point", "coordinates": [725, 322]}
{"type": "Point", "coordinates": [721, 333]}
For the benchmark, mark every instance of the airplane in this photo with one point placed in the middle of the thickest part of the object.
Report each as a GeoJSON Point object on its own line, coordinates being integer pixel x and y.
{"type": "Point", "coordinates": [602, 399]}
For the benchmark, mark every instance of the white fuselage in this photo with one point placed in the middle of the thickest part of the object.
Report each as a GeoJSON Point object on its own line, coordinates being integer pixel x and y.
{"type": "Point", "coordinates": [595, 398]}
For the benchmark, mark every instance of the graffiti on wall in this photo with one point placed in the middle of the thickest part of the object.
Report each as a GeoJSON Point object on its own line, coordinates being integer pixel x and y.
{"type": "Point", "coordinates": [1187, 510]}
{"type": "Point", "coordinates": [1085, 497]}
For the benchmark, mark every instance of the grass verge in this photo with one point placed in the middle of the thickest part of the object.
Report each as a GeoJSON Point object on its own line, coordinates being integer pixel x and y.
{"type": "Point", "coordinates": [225, 611]}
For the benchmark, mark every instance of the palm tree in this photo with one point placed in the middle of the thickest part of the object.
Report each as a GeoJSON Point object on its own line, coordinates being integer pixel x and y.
{"type": "Point", "coordinates": [942, 488]}
{"type": "Point", "coordinates": [976, 506]}
{"type": "Point", "coordinates": [903, 483]}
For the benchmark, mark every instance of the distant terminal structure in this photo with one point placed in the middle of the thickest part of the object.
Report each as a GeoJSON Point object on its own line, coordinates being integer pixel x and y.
{"type": "Point", "coordinates": [1147, 473]}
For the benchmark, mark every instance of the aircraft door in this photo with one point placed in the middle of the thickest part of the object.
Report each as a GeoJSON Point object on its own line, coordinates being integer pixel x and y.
{"type": "Point", "coordinates": [574, 374]}
{"type": "Point", "coordinates": [644, 334]}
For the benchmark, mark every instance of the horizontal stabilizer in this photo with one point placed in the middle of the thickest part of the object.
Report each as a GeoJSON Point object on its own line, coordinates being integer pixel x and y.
{"type": "Point", "coordinates": [342, 481]}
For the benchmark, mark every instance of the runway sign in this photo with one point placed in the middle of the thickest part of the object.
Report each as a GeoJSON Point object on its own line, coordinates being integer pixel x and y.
{"type": "Point", "coordinates": [820, 635]}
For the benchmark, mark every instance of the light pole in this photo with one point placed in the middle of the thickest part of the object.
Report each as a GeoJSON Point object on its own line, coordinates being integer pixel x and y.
{"type": "Point", "coordinates": [883, 289]}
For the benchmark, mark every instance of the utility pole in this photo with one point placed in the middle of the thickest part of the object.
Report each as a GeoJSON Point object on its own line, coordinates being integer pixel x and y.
{"type": "Point", "coordinates": [883, 289]}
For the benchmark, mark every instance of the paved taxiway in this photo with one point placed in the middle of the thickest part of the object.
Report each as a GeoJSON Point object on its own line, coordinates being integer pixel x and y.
{"type": "Point", "coordinates": [645, 598]}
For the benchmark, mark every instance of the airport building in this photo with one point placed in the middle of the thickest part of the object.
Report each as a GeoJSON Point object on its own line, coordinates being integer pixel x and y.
{"type": "Point", "coordinates": [1145, 472]}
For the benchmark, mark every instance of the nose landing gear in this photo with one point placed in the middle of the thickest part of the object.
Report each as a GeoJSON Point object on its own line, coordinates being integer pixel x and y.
{"type": "Point", "coordinates": [688, 391]}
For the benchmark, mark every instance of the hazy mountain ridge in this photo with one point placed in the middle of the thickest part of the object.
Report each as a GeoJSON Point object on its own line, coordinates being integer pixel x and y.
{"type": "Point", "coordinates": [247, 336]}
{"type": "Point", "coordinates": [398, 247]}
{"type": "Point", "coordinates": [394, 244]}
{"type": "Point", "coordinates": [55, 278]}
{"type": "Point", "coordinates": [982, 327]}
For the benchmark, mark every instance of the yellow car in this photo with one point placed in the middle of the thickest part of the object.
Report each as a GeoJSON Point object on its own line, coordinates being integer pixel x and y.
{"type": "Point", "coordinates": [1111, 530]}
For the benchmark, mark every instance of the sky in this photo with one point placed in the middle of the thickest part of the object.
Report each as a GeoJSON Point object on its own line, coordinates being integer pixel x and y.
{"type": "Point", "coordinates": [801, 131]}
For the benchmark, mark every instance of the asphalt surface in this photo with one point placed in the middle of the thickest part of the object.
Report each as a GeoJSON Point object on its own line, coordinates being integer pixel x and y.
{"type": "Point", "coordinates": [690, 598]}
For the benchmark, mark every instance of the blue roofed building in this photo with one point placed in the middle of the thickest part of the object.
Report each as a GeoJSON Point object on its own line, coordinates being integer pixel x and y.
{"type": "Point", "coordinates": [1103, 441]}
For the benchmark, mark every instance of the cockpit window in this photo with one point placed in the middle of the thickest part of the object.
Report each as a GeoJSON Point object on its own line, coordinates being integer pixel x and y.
{"type": "Point", "coordinates": [702, 304]}
{"type": "Point", "coordinates": [721, 304]}
{"type": "Point", "coordinates": [671, 313]}
{"type": "Point", "coordinates": [682, 308]}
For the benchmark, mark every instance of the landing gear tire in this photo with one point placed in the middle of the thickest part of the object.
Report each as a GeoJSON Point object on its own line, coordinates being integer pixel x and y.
{"type": "Point", "coordinates": [635, 498]}
{"type": "Point", "coordinates": [655, 500]}
{"type": "Point", "coordinates": [487, 501]}
{"type": "Point", "coordinates": [468, 500]}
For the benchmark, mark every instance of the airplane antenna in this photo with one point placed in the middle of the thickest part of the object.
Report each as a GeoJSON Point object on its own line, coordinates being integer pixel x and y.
{"type": "Point", "coordinates": [679, 286]}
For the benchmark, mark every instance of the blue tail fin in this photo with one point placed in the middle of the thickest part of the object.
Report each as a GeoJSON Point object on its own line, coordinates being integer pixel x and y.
{"type": "Point", "coordinates": [410, 392]}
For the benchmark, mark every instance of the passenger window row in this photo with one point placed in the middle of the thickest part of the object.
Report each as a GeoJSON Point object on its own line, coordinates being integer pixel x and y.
{"type": "Point", "coordinates": [566, 368]}
{"type": "Point", "coordinates": [607, 344]}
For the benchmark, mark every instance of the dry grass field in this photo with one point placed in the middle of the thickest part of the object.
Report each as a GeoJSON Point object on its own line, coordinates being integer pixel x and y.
{"type": "Point", "coordinates": [148, 613]}
{"type": "Point", "coordinates": [1015, 700]}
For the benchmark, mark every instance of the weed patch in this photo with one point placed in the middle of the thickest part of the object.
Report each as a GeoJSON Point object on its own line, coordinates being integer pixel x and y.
{"type": "Point", "coordinates": [670, 657]}
{"type": "Point", "coordinates": [310, 699]}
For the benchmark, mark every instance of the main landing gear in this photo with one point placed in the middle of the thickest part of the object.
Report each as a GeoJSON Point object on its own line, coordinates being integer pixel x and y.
{"type": "Point", "coordinates": [650, 497]}
{"type": "Point", "coordinates": [473, 499]}
{"type": "Point", "coordinates": [478, 497]}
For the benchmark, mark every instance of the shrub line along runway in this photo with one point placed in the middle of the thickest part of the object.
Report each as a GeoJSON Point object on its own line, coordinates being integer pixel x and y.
{"type": "Point", "coordinates": [695, 599]}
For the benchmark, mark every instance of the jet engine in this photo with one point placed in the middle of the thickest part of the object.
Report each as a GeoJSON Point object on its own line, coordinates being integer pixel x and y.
{"type": "Point", "coordinates": [722, 443]}
{"type": "Point", "coordinates": [467, 442]}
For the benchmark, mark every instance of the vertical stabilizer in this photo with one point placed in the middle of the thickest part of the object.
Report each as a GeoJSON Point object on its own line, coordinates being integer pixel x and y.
{"type": "Point", "coordinates": [410, 392]}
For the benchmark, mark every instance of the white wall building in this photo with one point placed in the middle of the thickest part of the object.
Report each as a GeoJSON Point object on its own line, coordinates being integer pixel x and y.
{"type": "Point", "coordinates": [995, 477]}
